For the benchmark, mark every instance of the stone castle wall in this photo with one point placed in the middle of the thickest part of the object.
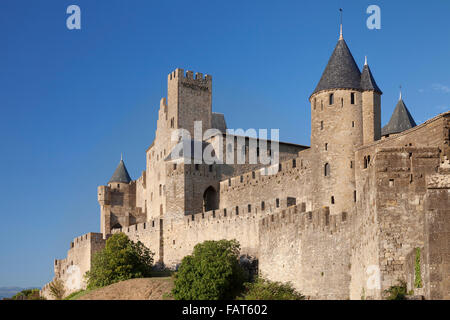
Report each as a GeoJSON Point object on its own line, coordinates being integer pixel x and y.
{"type": "Point", "coordinates": [78, 261]}
{"type": "Point", "coordinates": [309, 249]}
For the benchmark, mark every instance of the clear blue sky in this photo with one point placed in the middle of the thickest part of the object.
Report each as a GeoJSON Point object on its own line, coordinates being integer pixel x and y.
{"type": "Point", "coordinates": [72, 101]}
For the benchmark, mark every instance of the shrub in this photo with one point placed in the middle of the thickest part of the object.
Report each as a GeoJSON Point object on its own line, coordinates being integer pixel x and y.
{"type": "Point", "coordinates": [121, 259]}
{"type": "Point", "coordinates": [263, 289]}
{"type": "Point", "coordinates": [57, 289]}
{"type": "Point", "coordinates": [27, 294]}
{"type": "Point", "coordinates": [397, 292]}
{"type": "Point", "coordinates": [212, 272]}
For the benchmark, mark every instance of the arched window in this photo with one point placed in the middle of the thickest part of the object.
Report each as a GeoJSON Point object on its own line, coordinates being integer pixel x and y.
{"type": "Point", "coordinates": [331, 98]}
{"type": "Point", "coordinates": [326, 170]}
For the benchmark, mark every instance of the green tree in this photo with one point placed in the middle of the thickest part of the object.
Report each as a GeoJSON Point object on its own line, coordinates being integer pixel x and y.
{"type": "Point", "coordinates": [121, 259]}
{"type": "Point", "coordinates": [212, 272]}
{"type": "Point", "coordinates": [263, 289]}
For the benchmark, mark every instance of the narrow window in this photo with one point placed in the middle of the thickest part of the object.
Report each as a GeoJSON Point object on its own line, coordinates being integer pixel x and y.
{"type": "Point", "coordinates": [342, 102]}
{"type": "Point", "coordinates": [229, 182]}
{"type": "Point", "coordinates": [331, 98]}
{"type": "Point", "coordinates": [314, 103]}
{"type": "Point", "coordinates": [160, 189]}
{"type": "Point", "coordinates": [391, 182]}
{"type": "Point", "coordinates": [332, 199]}
{"type": "Point", "coordinates": [280, 167]}
{"type": "Point", "coordinates": [354, 196]}
{"type": "Point", "coordinates": [327, 169]}
{"type": "Point", "coordinates": [353, 124]}
{"type": "Point", "coordinates": [174, 166]}
{"type": "Point", "coordinates": [365, 162]}
{"type": "Point", "coordinates": [321, 125]}
{"type": "Point", "coordinates": [253, 174]}
{"type": "Point", "coordinates": [237, 210]}
{"type": "Point", "coordinates": [224, 212]}
{"type": "Point", "coordinates": [249, 208]}
{"type": "Point", "coordinates": [210, 168]}
{"type": "Point", "coordinates": [351, 164]}
{"type": "Point", "coordinates": [242, 179]}
{"type": "Point", "coordinates": [277, 203]}
{"type": "Point", "coordinates": [263, 205]}
{"type": "Point", "coordinates": [326, 146]}
{"type": "Point", "coordinates": [197, 166]}
{"type": "Point", "coordinates": [294, 163]}
{"type": "Point", "coordinates": [352, 98]}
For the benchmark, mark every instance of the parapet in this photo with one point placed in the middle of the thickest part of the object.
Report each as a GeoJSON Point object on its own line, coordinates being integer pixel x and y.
{"type": "Point", "coordinates": [319, 219]}
{"type": "Point", "coordinates": [89, 238]}
{"type": "Point", "coordinates": [188, 78]}
{"type": "Point", "coordinates": [296, 166]}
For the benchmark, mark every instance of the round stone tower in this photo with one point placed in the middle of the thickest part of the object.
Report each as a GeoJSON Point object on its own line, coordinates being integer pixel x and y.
{"type": "Point", "coordinates": [337, 130]}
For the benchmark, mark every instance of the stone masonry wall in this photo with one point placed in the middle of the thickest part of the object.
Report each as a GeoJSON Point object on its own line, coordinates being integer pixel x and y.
{"type": "Point", "coordinates": [78, 261]}
{"type": "Point", "coordinates": [437, 235]}
{"type": "Point", "coordinates": [309, 249]}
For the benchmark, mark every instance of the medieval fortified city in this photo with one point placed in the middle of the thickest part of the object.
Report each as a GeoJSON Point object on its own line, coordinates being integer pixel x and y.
{"type": "Point", "coordinates": [344, 218]}
{"type": "Point", "coordinates": [309, 173]}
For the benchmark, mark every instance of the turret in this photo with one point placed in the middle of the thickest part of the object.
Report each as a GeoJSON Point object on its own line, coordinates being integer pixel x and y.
{"type": "Point", "coordinates": [117, 200]}
{"type": "Point", "coordinates": [336, 130]}
{"type": "Point", "coordinates": [401, 119]}
{"type": "Point", "coordinates": [371, 106]}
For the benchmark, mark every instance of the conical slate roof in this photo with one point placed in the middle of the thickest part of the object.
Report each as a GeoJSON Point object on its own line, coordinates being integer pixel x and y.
{"type": "Point", "coordinates": [367, 81]}
{"type": "Point", "coordinates": [401, 120]}
{"type": "Point", "coordinates": [121, 174]}
{"type": "Point", "coordinates": [341, 71]}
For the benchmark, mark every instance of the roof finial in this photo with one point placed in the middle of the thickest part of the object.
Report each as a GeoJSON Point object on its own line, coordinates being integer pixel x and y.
{"type": "Point", "coordinates": [400, 98]}
{"type": "Point", "coordinates": [365, 60]}
{"type": "Point", "coordinates": [121, 156]}
{"type": "Point", "coordinates": [340, 34]}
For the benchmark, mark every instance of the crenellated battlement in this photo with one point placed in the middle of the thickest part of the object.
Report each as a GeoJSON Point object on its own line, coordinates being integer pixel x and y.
{"type": "Point", "coordinates": [152, 225]}
{"type": "Point", "coordinates": [189, 78]}
{"type": "Point", "coordinates": [316, 220]}
{"type": "Point", "coordinates": [87, 239]}
{"type": "Point", "coordinates": [296, 166]}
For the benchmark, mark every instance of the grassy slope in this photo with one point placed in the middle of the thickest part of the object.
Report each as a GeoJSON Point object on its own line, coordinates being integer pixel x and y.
{"type": "Point", "coordinates": [133, 289]}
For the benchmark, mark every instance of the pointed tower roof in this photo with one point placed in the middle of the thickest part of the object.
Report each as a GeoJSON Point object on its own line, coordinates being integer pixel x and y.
{"type": "Point", "coordinates": [367, 81]}
{"type": "Point", "coordinates": [341, 71]}
{"type": "Point", "coordinates": [401, 120]}
{"type": "Point", "coordinates": [121, 174]}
